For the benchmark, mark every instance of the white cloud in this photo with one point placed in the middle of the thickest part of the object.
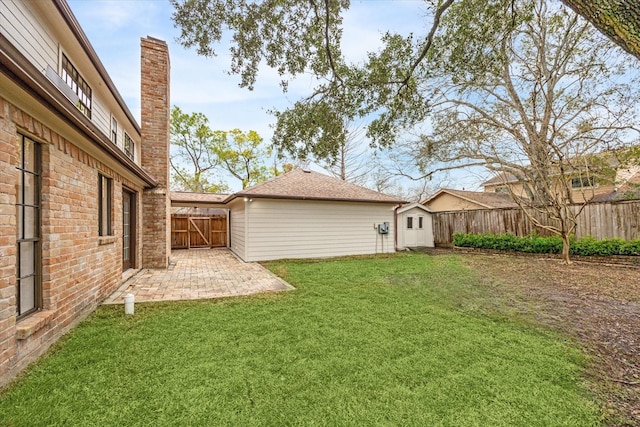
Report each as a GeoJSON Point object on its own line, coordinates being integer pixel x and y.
{"type": "Point", "coordinates": [111, 14]}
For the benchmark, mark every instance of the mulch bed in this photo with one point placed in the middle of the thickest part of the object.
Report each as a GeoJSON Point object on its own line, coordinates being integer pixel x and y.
{"type": "Point", "coordinates": [596, 301]}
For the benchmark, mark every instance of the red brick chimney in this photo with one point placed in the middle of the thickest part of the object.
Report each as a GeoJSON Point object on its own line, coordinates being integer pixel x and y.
{"type": "Point", "coordinates": [156, 203]}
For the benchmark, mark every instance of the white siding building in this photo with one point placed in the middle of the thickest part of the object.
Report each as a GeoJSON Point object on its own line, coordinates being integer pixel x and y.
{"type": "Point", "coordinates": [305, 214]}
{"type": "Point", "coordinates": [238, 227]}
{"type": "Point", "coordinates": [415, 227]}
{"type": "Point", "coordinates": [276, 228]}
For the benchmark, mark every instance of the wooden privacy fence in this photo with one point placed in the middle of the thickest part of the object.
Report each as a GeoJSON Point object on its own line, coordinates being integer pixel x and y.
{"type": "Point", "coordinates": [599, 220]}
{"type": "Point", "coordinates": [198, 232]}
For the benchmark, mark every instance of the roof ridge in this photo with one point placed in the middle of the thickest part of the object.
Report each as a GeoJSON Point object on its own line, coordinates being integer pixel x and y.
{"type": "Point", "coordinates": [308, 184]}
{"type": "Point", "coordinates": [272, 179]}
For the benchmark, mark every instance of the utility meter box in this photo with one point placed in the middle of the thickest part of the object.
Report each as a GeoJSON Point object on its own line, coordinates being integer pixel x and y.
{"type": "Point", "coordinates": [383, 228]}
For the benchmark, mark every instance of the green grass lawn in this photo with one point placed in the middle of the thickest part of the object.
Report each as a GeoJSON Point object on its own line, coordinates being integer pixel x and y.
{"type": "Point", "coordinates": [395, 340]}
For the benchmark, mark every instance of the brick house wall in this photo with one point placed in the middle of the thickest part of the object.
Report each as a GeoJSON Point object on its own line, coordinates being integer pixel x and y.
{"type": "Point", "coordinates": [79, 268]}
{"type": "Point", "coordinates": [8, 250]}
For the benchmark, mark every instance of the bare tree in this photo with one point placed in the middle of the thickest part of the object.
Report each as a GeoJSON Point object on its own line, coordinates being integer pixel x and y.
{"type": "Point", "coordinates": [537, 100]}
{"type": "Point", "coordinates": [351, 162]}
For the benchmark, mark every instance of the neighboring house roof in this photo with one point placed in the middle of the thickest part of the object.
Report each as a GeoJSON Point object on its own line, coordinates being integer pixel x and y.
{"type": "Point", "coordinates": [487, 200]}
{"type": "Point", "coordinates": [297, 184]}
{"type": "Point", "coordinates": [627, 178]}
{"type": "Point", "coordinates": [309, 185]}
{"type": "Point", "coordinates": [628, 190]}
{"type": "Point", "coordinates": [197, 211]}
{"type": "Point", "coordinates": [605, 159]}
{"type": "Point", "coordinates": [501, 178]}
{"type": "Point", "coordinates": [414, 205]}
{"type": "Point", "coordinates": [616, 196]}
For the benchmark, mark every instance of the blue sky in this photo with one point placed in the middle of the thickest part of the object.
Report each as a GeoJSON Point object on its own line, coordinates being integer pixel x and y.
{"type": "Point", "coordinates": [200, 84]}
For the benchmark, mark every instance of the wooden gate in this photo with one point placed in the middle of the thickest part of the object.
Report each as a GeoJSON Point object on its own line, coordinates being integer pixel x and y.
{"type": "Point", "coordinates": [198, 232]}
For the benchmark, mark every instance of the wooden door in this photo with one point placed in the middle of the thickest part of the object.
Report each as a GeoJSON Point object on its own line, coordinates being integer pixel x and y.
{"type": "Point", "coordinates": [198, 232]}
{"type": "Point", "coordinates": [128, 230]}
{"type": "Point", "coordinates": [411, 231]}
{"type": "Point", "coordinates": [218, 231]}
{"type": "Point", "coordinates": [179, 232]}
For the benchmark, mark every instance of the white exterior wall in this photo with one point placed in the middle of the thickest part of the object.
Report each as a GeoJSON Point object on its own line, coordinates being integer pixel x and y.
{"type": "Point", "coordinates": [29, 27]}
{"type": "Point", "coordinates": [279, 229]}
{"type": "Point", "coordinates": [20, 25]}
{"type": "Point", "coordinates": [100, 115]}
{"type": "Point", "coordinates": [237, 228]}
{"type": "Point", "coordinates": [415, 237]}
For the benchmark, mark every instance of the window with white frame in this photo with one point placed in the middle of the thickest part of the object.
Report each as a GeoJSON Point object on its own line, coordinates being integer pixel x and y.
{"type": "Point", "coordinates": [79, 85]}
{"type": "Point", "coordinates": [114, 130]}
{"type": "Point", "coordinates": [105, 205]}
{"type": "Point", "coordinates": [583, 182]}
{"type": "Point", "coordinates": [129, 146]}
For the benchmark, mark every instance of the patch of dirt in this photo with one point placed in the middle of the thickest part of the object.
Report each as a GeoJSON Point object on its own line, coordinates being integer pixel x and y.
{"type": "Point", "coordinates": [597, 304]}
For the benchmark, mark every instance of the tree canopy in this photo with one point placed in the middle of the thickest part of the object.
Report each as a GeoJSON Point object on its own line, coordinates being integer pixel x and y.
{"type": "Point", "coordinates": [194, 165]}
{"type": "Point", "coordinates": [297, 37]}
{"type": "Point", "coordinates": [200, 156]}
{"type": "Point", "coordinates": [244, 156]}
{"type": "Point", "coordinates": [300, 37]}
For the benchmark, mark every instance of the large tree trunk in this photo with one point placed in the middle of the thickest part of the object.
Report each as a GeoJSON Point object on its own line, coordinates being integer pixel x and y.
{"type": "Point", "coordinates": [618, 19]}
{"type": "Point", "coordinates": [565, 248]}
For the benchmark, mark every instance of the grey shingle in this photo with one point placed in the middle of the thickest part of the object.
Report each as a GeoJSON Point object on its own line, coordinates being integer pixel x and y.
{"type": "Point", "coordinates": [304, 184]}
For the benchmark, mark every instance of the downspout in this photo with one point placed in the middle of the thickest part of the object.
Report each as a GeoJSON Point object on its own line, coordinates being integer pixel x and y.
{"type": "Point", "coordinates": [395, 227]}
{"type": "Point", "coordinates": [229, 229]}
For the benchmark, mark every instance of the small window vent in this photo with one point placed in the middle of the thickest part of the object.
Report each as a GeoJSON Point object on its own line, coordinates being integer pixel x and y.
{"type": "Point", "coordinates": [62, 86]}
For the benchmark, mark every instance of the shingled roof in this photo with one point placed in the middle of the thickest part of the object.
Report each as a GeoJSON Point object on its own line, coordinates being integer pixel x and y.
{"type": "Point", "coordinates": [309, 185]}
{"type": "Point", "coordinates": [485, 199]}
{"type": "Point", "coordinates": [501, 178]}
{"type": "Point", "coordinates": [187, 197]}
{"type": "Point", "coordinates": [629, 190]}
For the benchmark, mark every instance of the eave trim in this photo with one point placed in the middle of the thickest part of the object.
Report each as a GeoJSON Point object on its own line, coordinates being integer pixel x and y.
{"type": "Point", "coordinates": [24, 73]}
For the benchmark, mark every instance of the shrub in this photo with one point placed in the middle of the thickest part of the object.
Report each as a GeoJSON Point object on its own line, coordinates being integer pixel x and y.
{"type": "Point", "coordinates": [631, 248]}
{"type": "Point", "coordinates": [589, 246]}
{"type": "Point", "coordinates": [586, 246]}
{"type": "Point", "coordinates": [546, 245]}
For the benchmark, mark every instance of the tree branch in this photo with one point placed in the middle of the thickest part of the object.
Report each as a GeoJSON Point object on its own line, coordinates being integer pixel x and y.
{"type": "Point", "coordinates": [327, 44]}
{"type": "Point", "coordinates": [428, 42]}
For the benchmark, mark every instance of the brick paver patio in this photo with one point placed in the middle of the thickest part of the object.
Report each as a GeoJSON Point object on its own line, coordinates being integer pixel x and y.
{"type": "Point", "coordinates": [199, 274]}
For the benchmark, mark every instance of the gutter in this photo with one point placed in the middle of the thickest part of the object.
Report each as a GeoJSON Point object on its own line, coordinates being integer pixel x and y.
{"type": "Point", "coordinates": [285, 197]}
